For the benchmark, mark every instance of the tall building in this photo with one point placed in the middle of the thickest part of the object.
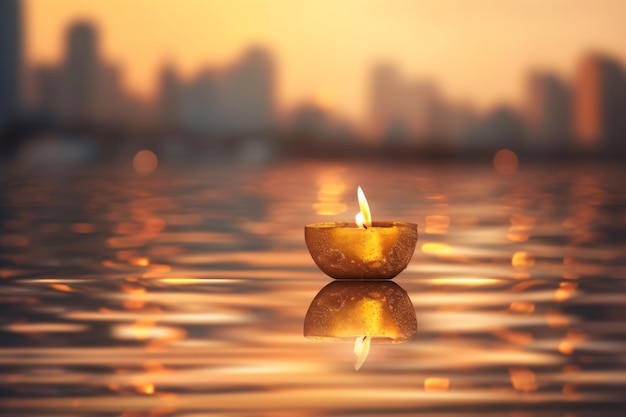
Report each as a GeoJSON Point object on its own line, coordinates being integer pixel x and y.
{"type": "Point", "coordinates": [503, 127]}
{"type": "Point", "coordinates": [422, 110]}
{"type": "Point", "coordinates": [47, 88]}
{"type": "Point", "coordinates": [169, 98]}
{"type": "Point", "coordinates": [385, 108]}
{"type": "Point", "coordinates": [237, 100]}
{"type": "Point", "coordinates": [600, 104]}
{"type": "Point", "coordinates": [79, 75]}
{"type": "Point", "coordinates": [249, 98]}
{"type": "Point", "coordinates": [10, 60]}
{"type": "Point", "coordinates": [82, 91]}
{"type": "Point", "coordinates": [548, 111]}
{"type": "Point", "coordinates": [108, 95]}
{"type": "Point", "coordinates": [400, 110]}
{"type": "Point", "coordinates": [310, 122]}
{"type": "Point", "coordinates": [456, 124]}
{"type": "Point", "coordinates": [199, 107]}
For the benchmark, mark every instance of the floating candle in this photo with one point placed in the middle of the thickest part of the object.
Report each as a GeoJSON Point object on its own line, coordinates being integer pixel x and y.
{"type": "Point", "coordinates": [363, 249]}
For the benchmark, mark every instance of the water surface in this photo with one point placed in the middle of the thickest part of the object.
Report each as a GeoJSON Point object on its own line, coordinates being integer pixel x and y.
{"type": "Point", "coordinates": [184, 292]}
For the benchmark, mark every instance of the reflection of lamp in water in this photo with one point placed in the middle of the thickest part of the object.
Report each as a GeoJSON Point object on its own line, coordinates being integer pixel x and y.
{"type": "Point", "coordinates": [361, 312]}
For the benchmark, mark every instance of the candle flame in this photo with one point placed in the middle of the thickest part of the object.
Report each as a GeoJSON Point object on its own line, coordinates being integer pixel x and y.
{"type": "Point", "coordinates": [361, 350]}
{"type": "Point", "coordinates": [363, 217]}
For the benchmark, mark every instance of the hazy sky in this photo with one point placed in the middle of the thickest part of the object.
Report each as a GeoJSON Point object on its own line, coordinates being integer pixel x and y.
{"type": "Point", "coordinates": [476, 50]}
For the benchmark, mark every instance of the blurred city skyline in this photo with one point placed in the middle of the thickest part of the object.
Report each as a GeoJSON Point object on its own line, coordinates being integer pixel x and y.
{"type": "Point", "coordinates": [477, 52]}
{"type": "Point", "coordinates": [85, 89]}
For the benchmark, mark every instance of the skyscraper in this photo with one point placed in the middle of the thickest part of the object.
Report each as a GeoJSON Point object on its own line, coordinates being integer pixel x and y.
{"type": "Point", "coordinates": [80, 74]}
{"type": "Point", "coordinates": [421, 110]}
{"type": "Point", "coordinates": [385, 101]}
{"type": "Point", "coordinates": [249, 100]}
{"type": "Point", "coordinates": [198, 107]}
{"type": "Point", "coordinates": [169, 98]}
{"type": "Point", "coordinates": [600, 104]}
{"type": "Point", "coordinates": [547, 111]}
{"type": "Point", "coordinates": [403, 110]}
{"type": "Point", "coordinates": [10, 60]}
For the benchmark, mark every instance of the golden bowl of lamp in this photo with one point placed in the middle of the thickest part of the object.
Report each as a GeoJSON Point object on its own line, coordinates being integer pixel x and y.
{"type": "Point", "coordinates": [345, 250]}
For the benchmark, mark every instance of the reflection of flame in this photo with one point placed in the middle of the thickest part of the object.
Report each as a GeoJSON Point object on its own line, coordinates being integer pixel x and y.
{"type": "Point", "coordinates": [364, 217]}
{"type": "Point", "coordinates": [361, 350]}
{"type": "Point", "coordinates": [330, 194]}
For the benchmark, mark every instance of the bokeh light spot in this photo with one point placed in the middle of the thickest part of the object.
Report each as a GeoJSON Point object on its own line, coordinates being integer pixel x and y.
{"type": "Point", "coordinates": [505, 162]}
{"type": "Point", "coordinates": [145, 162]}
{"type": "Point", "coordinates": [522, 260]}
{"type": "Point", "coordinates": [436, 384]}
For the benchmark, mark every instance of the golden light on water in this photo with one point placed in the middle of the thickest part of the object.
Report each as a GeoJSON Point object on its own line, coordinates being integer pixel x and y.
{"type": "Point", "coordinates": [518, 338]}
{"type": "Point", "coordinates": [437, 248]}
{"type": "Point", "coordinates": [434, 384]}
{"type": "Point", "coordinates": [145, 388]}
{"type": "Point", "coordinates": [556, 319]}
{"type": "Point", "coordinates": [145, 162]}
{"type": "Point", "coordinates": [572, 339]}
{"type": "Point", "coordinates": [154, 225]}
{"type": "Point", "coordinates": [468, 281]}
{"type": "Point", "coordinates": [82, 228]}
{"type": "Point", "coordinates": [36, 328]}
{"type": "Point", "coordinates": [139, 261]}
{"type": "Point", "coordinates": [147, 330]}
{"type": "Point", "coordinates": [61, 287]}
{"type": "Point", "coordinates": [330, 194]}
{"type": "Point", "coordinates": [329, 209]}
{"type": "Point", "coordinates": [437, 224]}
{"type": "Point", "coordinates": [521, 227]}
{"type": "Point", "coordinates": [505, 162]}
{"type": "Point", "coordinates": [522, 260]}
{"type": "Point", "coordinates": [565, 291]}
{"type": "Point", "coordinates": [523, 379]}
{"type": "Point", "coordinates": [522, 307]}
{"type": "Point", "coordinates": [364, 216]}
{"type": "Point", "coordinates": [189, 302]}
{"type": "Point", "coordinates": [566, 347]}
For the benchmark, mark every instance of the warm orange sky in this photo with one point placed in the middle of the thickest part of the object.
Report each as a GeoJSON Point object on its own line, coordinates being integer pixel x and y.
{"type": "Point", "coordinates": [477, 50]}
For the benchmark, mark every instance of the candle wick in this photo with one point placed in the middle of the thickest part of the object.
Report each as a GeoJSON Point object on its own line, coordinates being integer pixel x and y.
{"type": "Point", "coordinates": [364, 225]}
